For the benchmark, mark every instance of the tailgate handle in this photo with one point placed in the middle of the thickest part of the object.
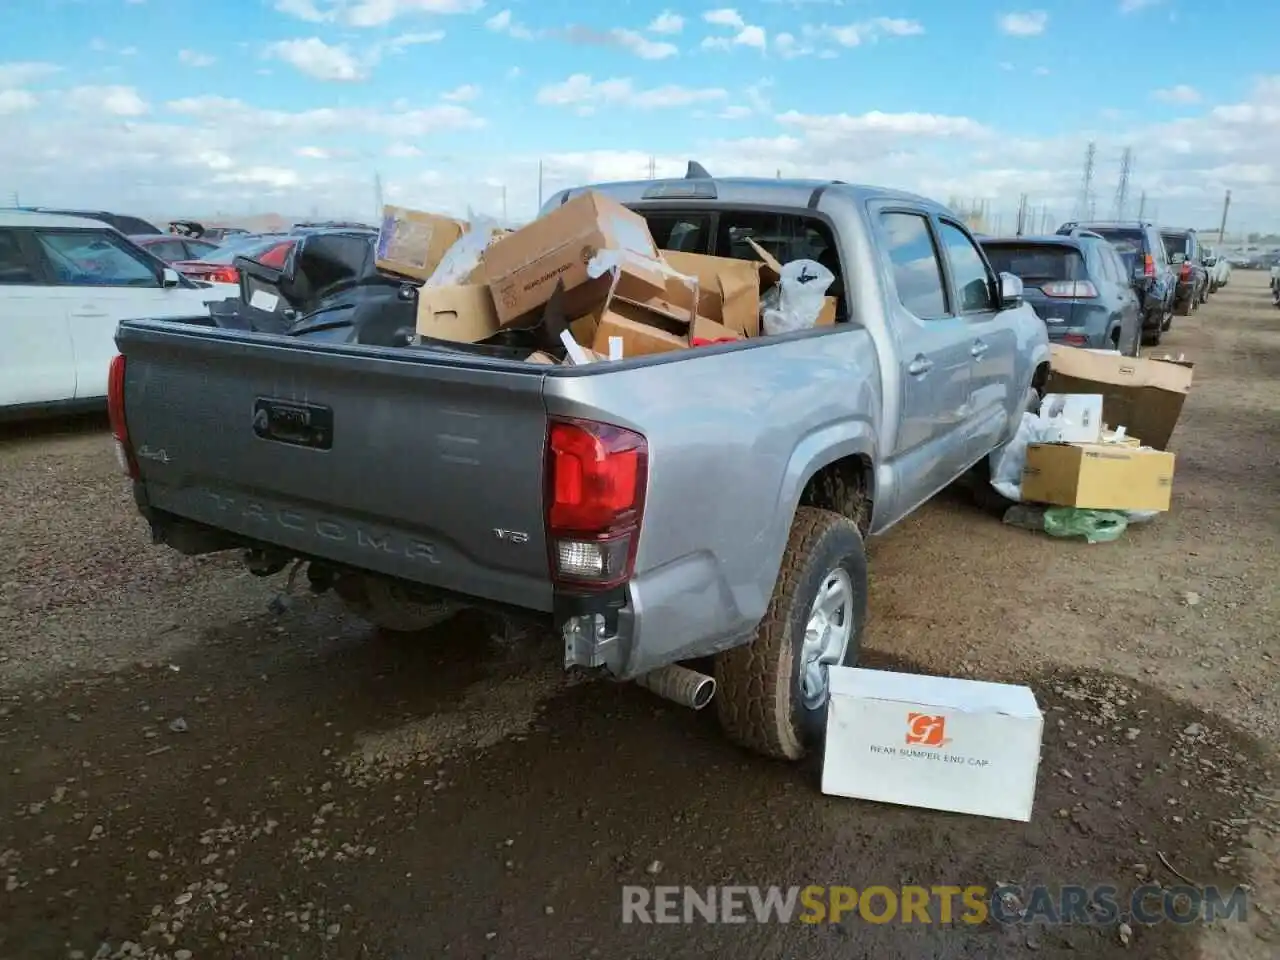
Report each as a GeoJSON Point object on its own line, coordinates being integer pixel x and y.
{"type": "Point", "coordinates": [297, 424]}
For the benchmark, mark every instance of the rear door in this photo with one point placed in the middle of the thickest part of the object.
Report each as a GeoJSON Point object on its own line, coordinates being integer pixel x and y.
{"type": "Point", "coordinates": [933, 342]}
{"type": "Point", "coordinates": [992, 346]}
{"type": "Point", "coordinates": [37, 364]}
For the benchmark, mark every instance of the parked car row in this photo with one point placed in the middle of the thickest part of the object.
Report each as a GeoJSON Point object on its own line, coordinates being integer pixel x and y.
{"type": "Point", "coordinates": [1112, 284]}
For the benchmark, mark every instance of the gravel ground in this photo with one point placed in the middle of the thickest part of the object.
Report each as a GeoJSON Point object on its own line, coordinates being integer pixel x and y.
{"type": "Point", "coordinates": [183, 775]}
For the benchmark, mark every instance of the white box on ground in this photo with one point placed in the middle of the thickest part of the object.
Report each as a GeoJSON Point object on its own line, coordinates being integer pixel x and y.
{"type": "Point", "coordinates": [1073, 417]}
{"type": "Point", "coordinates": [966, 746]}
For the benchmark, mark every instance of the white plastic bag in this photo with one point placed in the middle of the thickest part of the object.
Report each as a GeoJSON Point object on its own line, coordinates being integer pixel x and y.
{"type": "Point", "coordinates": [799, 299]}
{"type": "Point", "coordinates": [464, 256]}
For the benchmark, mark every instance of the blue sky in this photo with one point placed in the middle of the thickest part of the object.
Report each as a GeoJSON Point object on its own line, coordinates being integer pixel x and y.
{"type": "Point", "coordinates": [253, 104]}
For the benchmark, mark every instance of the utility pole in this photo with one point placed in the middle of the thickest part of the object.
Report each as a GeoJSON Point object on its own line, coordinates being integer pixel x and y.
{"type": "Point", "coordinates": [1222, 227]}
{"type": "Point", "coordinates": [377, 196]}
{"type": "Point", "coordinates": [1022, 215]}
{"type": "Point", "coordinates": [653, 167]}
{"type": "Point", "coordinates": [539, 185]}
{"type": "Point", "coordinates": [1122, 188]}
{"type": "Point", "coordinates": [1084, 205]}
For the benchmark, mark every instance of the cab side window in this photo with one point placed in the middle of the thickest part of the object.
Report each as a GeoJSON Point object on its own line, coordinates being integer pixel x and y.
{"type": "Point", "coordinates": [968, 269]}
{"type": "Point", "coordinates": [917, 268]}
{"type": "Point", "coordinates": [15, 268]}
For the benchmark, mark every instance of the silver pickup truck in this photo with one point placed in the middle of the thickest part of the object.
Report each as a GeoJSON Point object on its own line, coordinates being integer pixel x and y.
{"type": "Point", "coordinates": [707, 503]}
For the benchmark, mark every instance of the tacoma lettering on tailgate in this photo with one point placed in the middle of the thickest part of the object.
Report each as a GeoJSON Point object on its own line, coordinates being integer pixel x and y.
{"type": "Point", "coordinates": [299, 521]}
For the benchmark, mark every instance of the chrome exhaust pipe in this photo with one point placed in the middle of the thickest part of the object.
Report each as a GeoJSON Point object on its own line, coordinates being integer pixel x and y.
{"type": "Point", "coordinates": [680, 685]}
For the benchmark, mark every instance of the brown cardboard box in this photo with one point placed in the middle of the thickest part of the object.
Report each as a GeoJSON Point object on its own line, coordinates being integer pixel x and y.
{"type": "Point", "coordinates": [827, 315]}
{"type": "Point", "coordinates": [1098, 476]}
{"type": "Point", "coordinates": [412, 243]}
{"type": "Point", "coordinates": [728, 289]}
{"type": "Point", "coordinates": [771, 269]}
{"type": "Point", "coordinates": [703, 328]}
{"type": "Point", "coordinates": [1109, 436]}
{"type": "Point", "coordinates": [523, 267]}
{"type": "Point", "coordinates": [639, 339]}
{"type": "Point", "coordinates": [463, 314]}
{"type": "Point", "coordinates": [1143, 396]}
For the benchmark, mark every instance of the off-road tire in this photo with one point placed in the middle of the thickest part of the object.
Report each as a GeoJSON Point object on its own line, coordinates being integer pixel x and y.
{"type": "Point", "coordinates": [758, 698]}
{"type": "Point", "coordinates": [385, 605]}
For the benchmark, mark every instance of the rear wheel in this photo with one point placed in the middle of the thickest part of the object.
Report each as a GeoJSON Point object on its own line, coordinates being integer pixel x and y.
{"type": "Point", "coordinates": [390, 607]}
{"type": "Point", "coordinates": [772, 692]}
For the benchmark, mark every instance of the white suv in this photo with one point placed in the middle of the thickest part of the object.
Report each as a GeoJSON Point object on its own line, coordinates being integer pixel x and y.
{"type": "Point", "coordinates": [65, 284]}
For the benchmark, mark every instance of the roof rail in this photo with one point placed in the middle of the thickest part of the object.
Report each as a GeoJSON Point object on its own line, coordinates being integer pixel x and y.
{"type": "Point", "coordinates": [697, 171]}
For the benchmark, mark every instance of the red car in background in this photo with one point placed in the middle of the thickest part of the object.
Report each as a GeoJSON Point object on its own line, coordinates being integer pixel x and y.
{"type": "Point", "coordinates": [173, 249]}
{"type": "Point", "coordinates": [218, 266]}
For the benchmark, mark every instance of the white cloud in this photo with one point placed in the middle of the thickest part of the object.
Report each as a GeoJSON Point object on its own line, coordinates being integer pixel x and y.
{"type": "Point", "coordinates": [736, 112]}
{"type": "Point", "coordinates": [403, 151]}
{"type": "Point", "coordinates": [1041, 71]}
{"type": "Point", "coordinates": [642, 46]}
{"type": "Point", "coordinates": [193, 58]}
{"type": "Point", "coordinates": [114, 100]}
{"type": "Point", "coordinates": [1029, 24]}
{"type": "Point", "coordinates": [370, 13]}
{"type": "Point", "coordinates": [862, 32]}
{"type": "Point", "coordinates": [751, 36]}
{"type": "Point", "coordinates": [12, 101]}
{"type": "Point", "coordinates": [504, 22]}
{"type": "Point", "coordinates": [1179, 94]}
{"type": "Point", "coordinates": [463, 94]}
{"type": "Point", "coordinates": [667, 22]}
{"type": "Point", "coordinates": [585, 94]}
{"type": "Point", "coordinates": [317, 59]}
{"type": "Point", "coordinates": [406, 40]}
{"type": "Point", "coordinates": [725, 17]}
{"type": "Point", "coordinates": [1133, 6]}
{"type": "Point", "coordinates": [313, 153]}
{"type": "Point", "coordinates": [20, 73]}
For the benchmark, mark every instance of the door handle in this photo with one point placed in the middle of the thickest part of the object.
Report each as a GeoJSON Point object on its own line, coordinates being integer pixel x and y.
{"type": "Point", "coordinates": [978, 348]}
{"type": "Point", "coordinates": [920, 365]}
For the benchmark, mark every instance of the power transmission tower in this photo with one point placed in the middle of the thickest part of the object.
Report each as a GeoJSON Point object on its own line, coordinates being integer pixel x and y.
{"type": "Point", "coordinates": [653, 167]}
{"type": "Point", "coordinates": [1122, 188]}
{"type": "Point", "coordinates": [377, 195]}
{"type": "Point", "coordinates": [1142, 204]}
{"type": "Point", "coordinates": [1084, 205]}
{"type": "Point", "coordinates": [1022, 215]}
{"type": "Point", "coordinates": [1222, 227]}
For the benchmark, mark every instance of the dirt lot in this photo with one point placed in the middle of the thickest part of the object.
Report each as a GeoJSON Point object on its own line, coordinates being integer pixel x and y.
{"type": "Point", "coordinates": [184, 775]}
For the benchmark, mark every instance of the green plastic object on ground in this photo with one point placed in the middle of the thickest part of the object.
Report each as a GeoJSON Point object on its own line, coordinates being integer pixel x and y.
{"type": "Point", "coordinates": [1096, 526]}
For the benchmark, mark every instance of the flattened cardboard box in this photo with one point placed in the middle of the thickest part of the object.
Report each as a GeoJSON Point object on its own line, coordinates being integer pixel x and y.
{"type": "Point", "coordinates": [1143, 396]}
{"type": "Point", "coordinates": [643, 328]}
{"type": "Point", "coordinates": [728, 289]}
{"type": "Point", "coordinates": [412, 243]}
{"type": "Point", "coordinates": [524, 267]}
{"type": "Point", "coordinates": [463, 314]}
{"type": "Point", "coordinates": [935, 742]}
{"type": "Point", "coordinates": [1098, 476]}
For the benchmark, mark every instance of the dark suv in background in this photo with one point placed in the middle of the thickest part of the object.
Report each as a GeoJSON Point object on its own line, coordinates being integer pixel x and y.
{"type": "Point", "coordinates": [1146, 261]}
{"type": "Point", "coordinates": [1077, 284]}
{"type": "Point", "coordinates": [1183, 248]}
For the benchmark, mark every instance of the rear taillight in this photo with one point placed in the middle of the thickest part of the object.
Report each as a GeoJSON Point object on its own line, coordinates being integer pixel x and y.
{"type": "Point", "coordinates": [1148, 266]}
{"type": "Point", "coordinates": [1185, 273]}
{"type": "Point", "coordinates": [223, 275]}
{"type": "Point", "coordinates": [275, 257]}
{"type": "Point", "coordinates": [1075, 340]}
{"type": "Point", "coordinates": [595, 486]}
{"type": "Point", "coordinates": [1070, 289]}
{"type": "Point", "coordinates": [115, 413]}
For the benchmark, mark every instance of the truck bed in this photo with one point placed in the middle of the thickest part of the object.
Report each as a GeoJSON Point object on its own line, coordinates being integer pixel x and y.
{"type": "Point", "coordinates": [407, 463]}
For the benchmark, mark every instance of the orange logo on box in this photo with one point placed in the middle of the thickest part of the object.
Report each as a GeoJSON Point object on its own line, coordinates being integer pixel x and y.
{"type": "Point", "coordinates": [926, 730]}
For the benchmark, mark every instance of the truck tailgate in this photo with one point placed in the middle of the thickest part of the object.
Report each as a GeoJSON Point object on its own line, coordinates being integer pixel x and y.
{"type": "Point", "coordinates": [413, 465]}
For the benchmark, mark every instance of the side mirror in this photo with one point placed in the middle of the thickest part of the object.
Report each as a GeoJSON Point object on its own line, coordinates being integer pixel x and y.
{"type": "Point", "coordinates": [1010, 291]}
{"type": "Point", "coordinates": [169, 278]}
